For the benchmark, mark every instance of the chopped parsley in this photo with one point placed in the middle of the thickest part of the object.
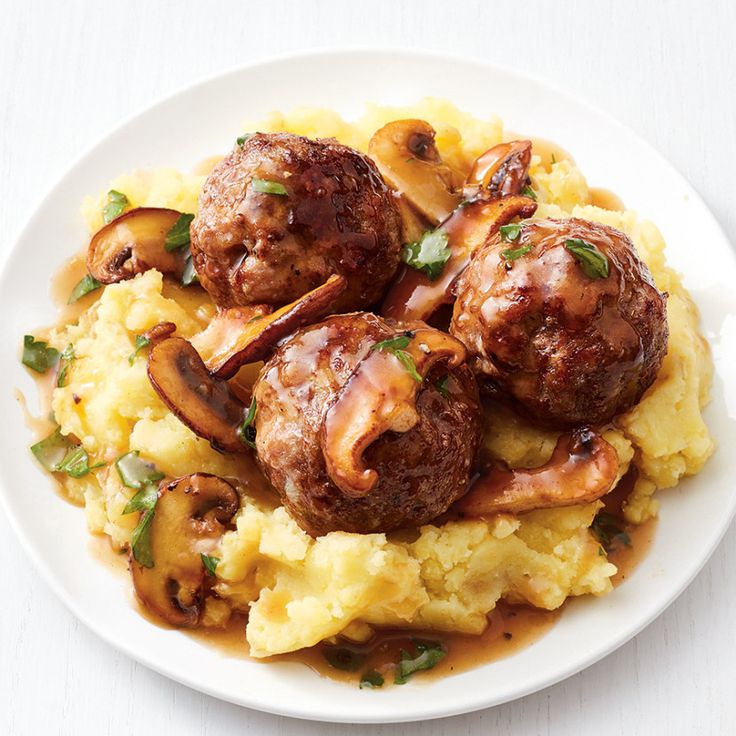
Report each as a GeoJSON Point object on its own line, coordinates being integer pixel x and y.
{"type": "Point", "coordinates": [608, 530]}
{"type": "Point", "coordinates": [247, 430]}
{"type": "Point", "coordinates": [210, 563]}
{"type": "Point", "coordinates": [343, 658]}
{"type": "Point", "coordinates": [371, 680]}
{"type": "Point", "coordinates": [397, 346]}
{"type": "Point", "coordinates": [441, 386]}
{"type": "Point", "coordinates": [264, 186]}
{"type": "Point", "coordinates": [178, 236]}
{"type": "Point", "coordinates": [143, 500]}
{"type": "Point", "coordinates": [84, 286]}
{"type": "Point", "coordinates": [429, 253]}
{"type": "Point", "coordinates": [511, 254]}
{"type": "Point", "coordinates": [67, 358]}
{"type": "Point", "coordinates": [527, 191]}
{"type": "Point", "coordinates": [58, 454]}
{"type": "Point", "coordinates": [243, 138]}
{"type": "Point", "coordinates": [189, 275]}
{"type": "Point", "coordinates": [134, 472]}
{"type": "Point", "coordinates": [116, 205]}
{"type": "Point", "coordinates": [38, 355]}
{"type": "Point", "coordinates": [428, 654]}
{"type": "Point", "coordinates": [591, 260]}
{"type": "Point", "coordinates": [511, 232]}
{"type": "Point", "coordinates": [141, 341]}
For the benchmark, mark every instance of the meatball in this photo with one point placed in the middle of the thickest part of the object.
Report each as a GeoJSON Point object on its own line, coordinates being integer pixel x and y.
{"type": "Point", "coordinates": [420, 471]}
{"type": "Point", "coordinates": [573, 332]}
{"type": "Point", "coordinates": [281, 213]}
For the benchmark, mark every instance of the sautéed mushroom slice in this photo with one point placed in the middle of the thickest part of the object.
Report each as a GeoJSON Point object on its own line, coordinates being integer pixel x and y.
{"type": "Point", "coordinates": [133, 243]}
{"type": "Point", "coordinates": [187, 522]}
{"type": "Point", "coordinates": [380, 397]}
{"type": "Point", "coordinates": [582, 468]}
{"type": "Point", "coordinates": [210, 408]}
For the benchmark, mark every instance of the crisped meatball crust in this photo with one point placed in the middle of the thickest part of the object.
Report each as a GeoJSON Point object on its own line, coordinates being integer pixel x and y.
{"type": "Point", "coordinates": [336, 216]}
{"type": "Point", "coordinates": [420, 472]}
{"type": "Point", "coordinates": [571, 349]}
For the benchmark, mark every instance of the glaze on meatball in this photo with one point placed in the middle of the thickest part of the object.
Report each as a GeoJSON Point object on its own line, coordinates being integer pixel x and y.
{"type": "Point", "coordinates": [337, 216]}
{"type": "Point", "coordinates": [569, 348]}
{"type": "Point", "coordinates": [420, 472]}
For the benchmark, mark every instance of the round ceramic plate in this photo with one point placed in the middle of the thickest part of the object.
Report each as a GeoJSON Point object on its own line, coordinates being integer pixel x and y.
{"type": "Point", "coordinates": [204, 119]}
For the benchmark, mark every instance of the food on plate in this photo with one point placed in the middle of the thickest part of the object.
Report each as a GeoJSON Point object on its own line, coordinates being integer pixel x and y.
{"type": "Point", "coordinates": [363, 426]}
{"type": "Point", "coordinates": [281, 213]}
{"type": "Point", "coordinates": [371, 382]}
{"type": "Point", "coordinates": [564, 318]}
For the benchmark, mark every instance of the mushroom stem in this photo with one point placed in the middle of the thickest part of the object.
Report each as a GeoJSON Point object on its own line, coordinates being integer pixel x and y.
{"type": "Point", "coordinates": [380, 397]}
{"type": "Point", "coordinates": [414, 296]}
{"type": "Point", "coordinates": [242, 335]}
{"type": "Point", "coordinates": [582, 468]}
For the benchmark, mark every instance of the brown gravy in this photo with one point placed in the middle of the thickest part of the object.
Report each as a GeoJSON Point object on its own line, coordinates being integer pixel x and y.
{"type": "Point", "coordinates": [511, 628]}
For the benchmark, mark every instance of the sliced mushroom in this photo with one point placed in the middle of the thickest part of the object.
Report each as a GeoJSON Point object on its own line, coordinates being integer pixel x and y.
{"type": "Point", "coordinates": [379, 397]}
{"type": "Point", "coordinates": [191, 515]}
{"type": "Point", "coordinates": [133, 243]}
{"type": "Point", "coordinates": [407, 157]}
{"type": "Point", "coordinates": [414, 296]}
{"type": "Point", "coordinates": [208, 407]}
{"type": "Point", "coordinates": [413, 225]}
{"type": "Point", "coordinates": [244, 335]}
{"type": "Point", "coordinates": [582, 468]}
{"type": "Point", "coordinates": [501, 171]}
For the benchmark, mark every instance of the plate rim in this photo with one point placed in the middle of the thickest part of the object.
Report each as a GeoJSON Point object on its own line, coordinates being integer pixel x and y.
{"type": "Point", "coordinates": [53, 581]}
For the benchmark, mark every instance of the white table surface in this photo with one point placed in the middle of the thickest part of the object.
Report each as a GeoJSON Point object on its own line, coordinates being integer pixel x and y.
{"type": "Point", "coordinates": [70, 70]}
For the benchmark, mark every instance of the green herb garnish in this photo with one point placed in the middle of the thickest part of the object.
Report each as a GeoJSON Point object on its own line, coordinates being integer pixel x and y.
{"type": "Point", "coordinates": [396, 346]}
{"type": "Point", "coordinates": [143, 500]}
{"type": "Point", "coordinates": [134, 472]}
{"type": "Point", "coordinates": [58, 454]}
{"type": "Point", "coordinates": [243, 138]}
{"type": "Point", "coordinates": [511, 232]}
{"type": "Point", "coordinates": [84, 286]}
{"type": "Point", "coordinates": [264, 186]}
{"type": "Point", "coordinates": [552, 159]}
{"type": "Point", "coordinates": [189, 275]}
{"type": "Point", "coordinates": [608, 530]}
{"type": "Point", "coordinates": [67, 357]}
{"type": "Point", "coordinates": [140, 540]}
{"type": "Point", "coordinates": [511, 254]}
{"type": "Point", "coordinates": [342, 658]}
{"type": "Point", "coordinates": [441, 386]}
{"type": "Point", "coordinates": [178, 236]}
{"type": "Point", "coordinates": [247, 430]}
{"type": "Point", "coordinates": [38, 355]}
{"type": "Point", "coordinates": [210, 563]}
{"type": "Point", "coordinates": [428, 654]}
{"type": "Point", "coordinates": [429, 253]}
{"type": "Point", "coordinates": [141, 341]}
{"type": "Point", "coordinates": [116, 204]}
{"type": "Point", "coordinates": [527, 191]}
{"type": "Point", "coordinates": [591, 260]}
{"type": "Point", "coordinates": [371, 680]}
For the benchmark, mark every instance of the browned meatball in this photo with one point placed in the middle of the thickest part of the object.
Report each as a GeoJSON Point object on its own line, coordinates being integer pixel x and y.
{"type": "Point", "coordinates": [570, 344]}
{"type": "Point", "coordinates": [327, 211]}
{"type": "Point", "coordinates": [420, 472]}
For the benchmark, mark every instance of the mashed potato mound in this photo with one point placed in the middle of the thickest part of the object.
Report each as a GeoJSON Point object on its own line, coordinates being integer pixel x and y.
{"type": "Point", "coordinates": [299, 590]}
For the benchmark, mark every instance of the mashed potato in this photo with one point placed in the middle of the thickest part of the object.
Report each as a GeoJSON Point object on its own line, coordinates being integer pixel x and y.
{"type": "Point", "coordinates": [299, 590]}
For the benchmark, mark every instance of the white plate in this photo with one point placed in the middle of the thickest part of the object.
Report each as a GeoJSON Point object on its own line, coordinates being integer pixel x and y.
{"type": "Point", "coordinates": [204, 119]}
